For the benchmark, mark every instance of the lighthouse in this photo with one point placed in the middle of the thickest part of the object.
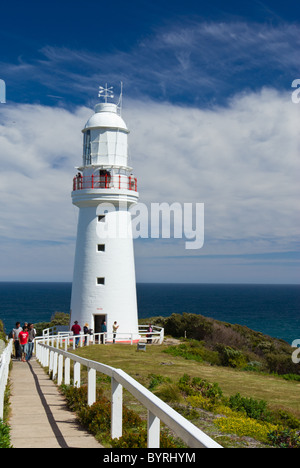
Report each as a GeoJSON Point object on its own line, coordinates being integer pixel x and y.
{"type": "Point", "coordinates": [104, 189]}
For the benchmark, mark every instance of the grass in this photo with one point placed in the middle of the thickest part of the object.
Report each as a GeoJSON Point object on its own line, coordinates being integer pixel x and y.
{"type": "Point", "coordinates": [278, 393]}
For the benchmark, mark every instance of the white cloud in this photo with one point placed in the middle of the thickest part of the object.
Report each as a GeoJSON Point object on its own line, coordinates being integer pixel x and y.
{"type": "Point", "coordinates": [240, 161]}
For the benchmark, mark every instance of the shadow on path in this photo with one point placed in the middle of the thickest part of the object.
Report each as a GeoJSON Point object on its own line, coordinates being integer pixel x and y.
{"type": "Point", "coordinates": [56, 431]}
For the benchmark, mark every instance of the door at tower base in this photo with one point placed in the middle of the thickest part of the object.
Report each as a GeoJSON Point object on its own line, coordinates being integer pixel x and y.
{"type": "Point", "coordinates": [104, 273]}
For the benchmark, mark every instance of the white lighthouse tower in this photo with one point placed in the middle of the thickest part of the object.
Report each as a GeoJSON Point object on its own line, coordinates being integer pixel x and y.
{"type": "Point", "coordinates": [104, 285]}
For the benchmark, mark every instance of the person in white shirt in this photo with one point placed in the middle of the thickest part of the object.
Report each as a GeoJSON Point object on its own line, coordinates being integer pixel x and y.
{"type": "Point", "coordinates": [15, 335]}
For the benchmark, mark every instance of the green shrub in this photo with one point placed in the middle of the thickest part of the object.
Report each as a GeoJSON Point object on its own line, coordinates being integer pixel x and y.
{"type": "Point", "coordinates": [194, 326]}
{"type": "Point", "coordinates": [253, 366]}
{"type": "Point", "coordinates": [194, 350]}
{"type": "Point", "coordinates": [169, 392]}
{"type": "Point", "coordinates": [4, 435]}
{"type": "Point", "coordinates": [58, 318]}
{"type": "Point", "coordinates": [156, 379]}
{"type": "Point", "coordinates": [286, 438]}
{"type": "Point", "coordinates": [198, 386]}
{"type": "Point", "coordinates": [2, 332]}
{"type": "Point", "coordinates": [285, 419]}
{"type": "Point", "coordinates": [97, 419]}
{"type": "Point", "coordinates": [291, 377]}
{"type": "Point", "coordinates": [138, 439]}
{"type": "Point", "coordinates": [255, 409]}
{"type": "Point", "coordinates": [281, 364]}
{"type": "Point", "coordinates": [231, 357]}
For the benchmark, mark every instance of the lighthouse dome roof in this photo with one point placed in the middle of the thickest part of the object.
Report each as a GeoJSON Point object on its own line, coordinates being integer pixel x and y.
{"type": "Point", "coordinates": [106, 115]}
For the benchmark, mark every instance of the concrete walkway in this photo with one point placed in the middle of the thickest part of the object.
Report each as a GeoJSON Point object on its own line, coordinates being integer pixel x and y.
{"type": "Point", "coordinates": [39, 416]}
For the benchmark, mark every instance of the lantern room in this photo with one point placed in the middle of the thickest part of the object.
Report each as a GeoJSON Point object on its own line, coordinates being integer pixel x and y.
{"type": "Point", "coordinates": [105, 138]}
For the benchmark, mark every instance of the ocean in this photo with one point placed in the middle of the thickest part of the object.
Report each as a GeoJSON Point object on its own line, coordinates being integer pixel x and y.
{"type": "Point", "coordinates": [270, 309]}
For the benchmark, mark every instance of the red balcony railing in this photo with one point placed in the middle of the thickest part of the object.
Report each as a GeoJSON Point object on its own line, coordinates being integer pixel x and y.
{"type": "Point", "coordinates": [105, 182]}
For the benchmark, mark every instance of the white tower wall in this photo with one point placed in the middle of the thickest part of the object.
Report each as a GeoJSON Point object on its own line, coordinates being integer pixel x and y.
{"type": "Point", "coordinates": [116, 298]}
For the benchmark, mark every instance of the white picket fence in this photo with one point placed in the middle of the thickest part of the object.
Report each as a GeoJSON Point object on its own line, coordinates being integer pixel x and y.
{"type": "Point", "coordinates": [59, 363]}
{"type": "Point", "coordinates": [4, 370]}
{"type": "Point", "coordinates": [157, 336]}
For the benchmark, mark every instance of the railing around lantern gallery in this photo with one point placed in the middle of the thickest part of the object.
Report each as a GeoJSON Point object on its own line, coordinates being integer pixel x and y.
{"type": "Point", "coordinates": [119, 181]}
{"type": "Point", "coordinates": [59, 361]}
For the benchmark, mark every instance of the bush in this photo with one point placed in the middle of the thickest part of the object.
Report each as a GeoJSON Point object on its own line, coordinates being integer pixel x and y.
{"type": "Point", "coordinates": [139, 440]}
{"type": "Point", "coordinates": [285, 419]}
{"type": "Point", "coordinates": [97, 419]}
{"type": "Point", "coordinates": [195, 326]}
{"type": "Point", "coordinates": [281, 364]}
{"type": "Point", "coordinates": [169, 392]}
{"type": "Point", "coordinates": [198, 401]}
{"type": "Point", "coordinates": [4, 435]}
{"type": "Point", "coordinates": [2, 332]}
{"type": "Point", "coordinates": [256, 409]}
{"type": "Point", "coordinates": [58, 318]}
{"type": "Point", "coordinates": [284, 438]}
{"type": "Point", "coordinates": [156, 379]}
{"type": "Point", "coordinates": [194, 350]}
{"type": "Point", "coordinates": [231, 357]}
{"type": "Point", "coordinates": [198, 386]}
{"type": "Point", "coordinates": [246, 427]}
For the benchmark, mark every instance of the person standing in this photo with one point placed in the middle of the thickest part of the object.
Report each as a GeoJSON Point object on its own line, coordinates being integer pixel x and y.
{"type": "Point", "coordinates": [30, 344]}
{"type": "Point", "coordinates": [86, 332]}
{"type": "Point", "coordinates": [23, 339]}
{"type": "Point", "coordinates": [15, 335]}
{"type": "Point", "coordinates": [103, 331]}
{"type": "Point", "coordinates": [115, 328]}
{"type": "Point", "coordinates": [76, 329]}
{"type": "Point", "coordinates": [149, 334]}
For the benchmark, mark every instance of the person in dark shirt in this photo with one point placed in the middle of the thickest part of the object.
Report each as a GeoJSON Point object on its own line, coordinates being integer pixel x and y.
{"type": "Point", "coordinates": [76, 329]}
{"type": "Point", "coordinates": [103, 331]}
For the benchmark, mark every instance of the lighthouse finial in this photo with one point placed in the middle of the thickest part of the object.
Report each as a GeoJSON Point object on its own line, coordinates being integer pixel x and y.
{"type": "Point", "coordinates": [106, 92]}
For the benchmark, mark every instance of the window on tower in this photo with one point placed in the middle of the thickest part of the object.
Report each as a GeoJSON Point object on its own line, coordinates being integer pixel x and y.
{"type": "Point", "coordinates": [87, 148]}
{"type": "Point", "coordinates": [101, 247]}
{"type": "Point", "coordinates": [100, 280]}
{"type": "Point", "coordinates": [101, 218]}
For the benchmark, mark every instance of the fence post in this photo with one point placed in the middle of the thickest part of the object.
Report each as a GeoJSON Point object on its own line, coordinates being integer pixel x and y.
{"type": "Point", "coordinates": [55, 365]}
{"type": "Point", "coordinates": [60, 369]}
{"type": "Point", "coordinates": [77, 374]}
{"type": "Point", "coordinates": [51, 362]}
{"type": "Point", "coordinates": [91, 386]}
{"type": "Point", "coordinates": [67, 371]}
{"type": "Point", "coordinates": [153, 431]}
{"type": "Point", "coordinates": [116, 409]}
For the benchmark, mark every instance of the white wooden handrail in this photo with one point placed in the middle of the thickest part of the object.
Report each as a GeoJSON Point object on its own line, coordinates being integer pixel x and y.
{"type": "Point", "coordinates": [53, 357]}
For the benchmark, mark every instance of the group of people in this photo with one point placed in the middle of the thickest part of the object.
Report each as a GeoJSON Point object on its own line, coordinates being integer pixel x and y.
{"type": "Point", "coordinates": [23, 338]}
{"type": "Point", "coordinates": [76, 329]}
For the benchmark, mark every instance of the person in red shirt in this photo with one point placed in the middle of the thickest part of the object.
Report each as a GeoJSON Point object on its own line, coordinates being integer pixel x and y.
{"type": "Point", "coordinates": [76, 329]}
{"type": "Point", "coordinates": [23, 339]}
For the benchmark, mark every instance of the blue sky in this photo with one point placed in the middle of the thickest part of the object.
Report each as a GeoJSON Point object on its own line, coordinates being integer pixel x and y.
{"type": "Point", "coordinates": [207, 93]}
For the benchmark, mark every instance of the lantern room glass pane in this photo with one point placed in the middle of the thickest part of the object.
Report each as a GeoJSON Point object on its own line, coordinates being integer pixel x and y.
{"type": "Point", "coordinates": [87, 148]}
